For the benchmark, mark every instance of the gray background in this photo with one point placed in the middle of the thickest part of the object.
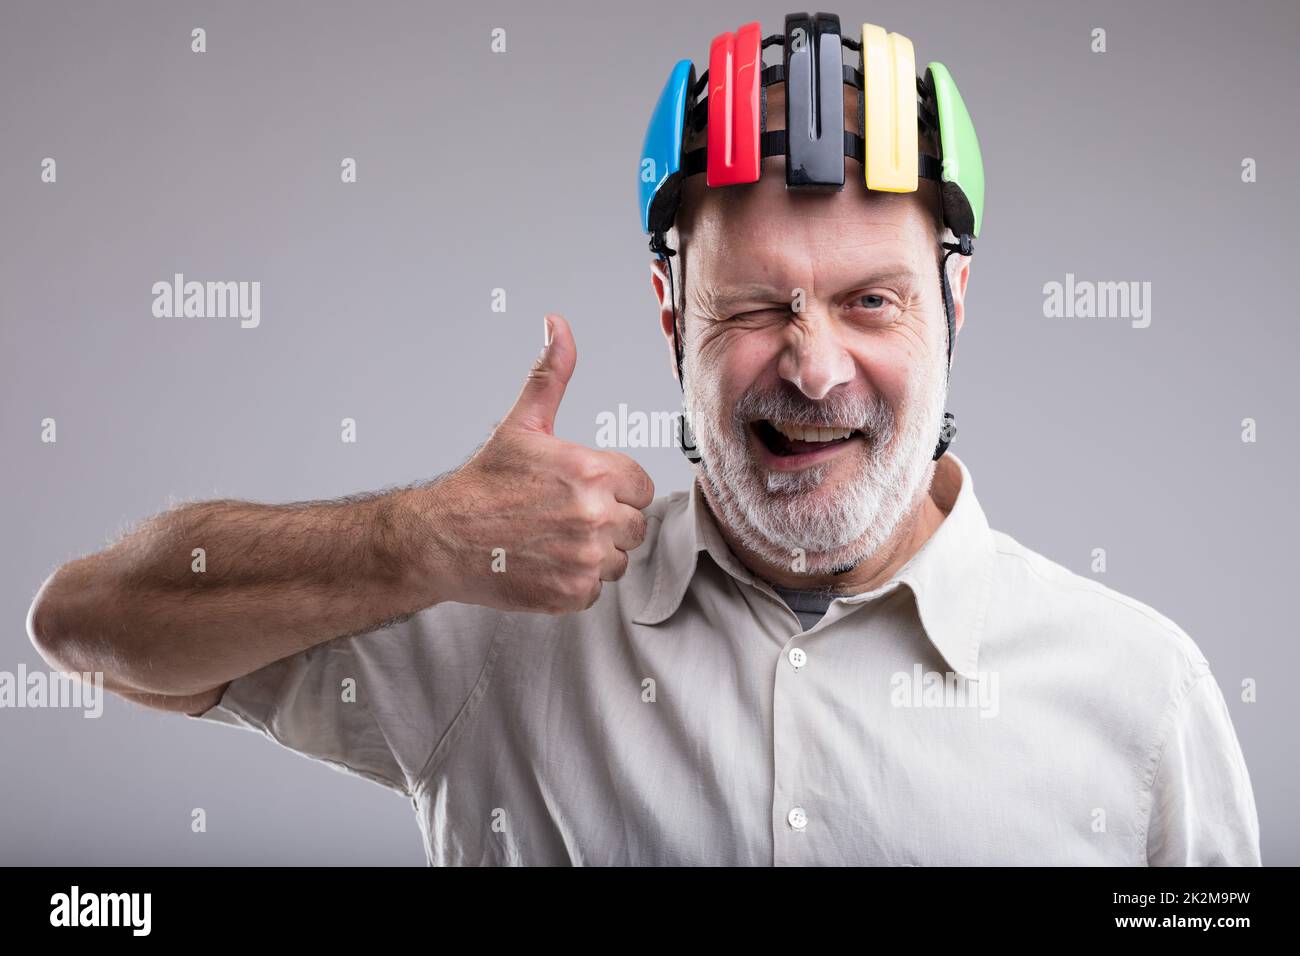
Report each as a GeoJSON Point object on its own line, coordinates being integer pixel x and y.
{"type": "Point", "coordinates": [479, 171]}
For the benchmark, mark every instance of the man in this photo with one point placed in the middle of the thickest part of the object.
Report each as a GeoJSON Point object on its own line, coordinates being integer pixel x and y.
{"type": "Point", "coordinates": [819, 653]}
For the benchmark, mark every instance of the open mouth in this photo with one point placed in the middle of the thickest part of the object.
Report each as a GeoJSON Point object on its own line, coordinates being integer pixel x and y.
{"type": "Point", "coordinates": [792, 439]}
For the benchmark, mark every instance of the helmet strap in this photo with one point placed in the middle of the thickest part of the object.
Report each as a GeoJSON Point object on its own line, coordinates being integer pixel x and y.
{"type": "Point", "coordinates": [965, 246]}
{"type": "Point", "coordinates": [685, 435]}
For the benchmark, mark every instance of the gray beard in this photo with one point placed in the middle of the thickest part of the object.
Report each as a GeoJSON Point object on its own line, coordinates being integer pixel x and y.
{"type": "Point", "coordinates": [787, 518]}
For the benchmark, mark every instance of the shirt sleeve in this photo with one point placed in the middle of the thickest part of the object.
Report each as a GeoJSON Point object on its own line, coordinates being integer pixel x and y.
{"type": "Point", "coordinates": [375, 704]}
{"type": "Point", "coordinates": [1202, 805]}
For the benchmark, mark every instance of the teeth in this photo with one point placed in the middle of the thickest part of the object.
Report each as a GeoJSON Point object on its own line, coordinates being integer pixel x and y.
{"type": "Point", "coordinates": [796, 432]}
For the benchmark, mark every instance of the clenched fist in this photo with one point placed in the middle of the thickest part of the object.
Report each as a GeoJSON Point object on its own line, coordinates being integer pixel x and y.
{"type": "Point", "coordinates": [564, 516]}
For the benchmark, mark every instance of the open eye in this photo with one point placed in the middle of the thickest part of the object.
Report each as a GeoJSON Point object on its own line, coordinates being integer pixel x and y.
{"type": "Point", "coordinates": [876, 309]}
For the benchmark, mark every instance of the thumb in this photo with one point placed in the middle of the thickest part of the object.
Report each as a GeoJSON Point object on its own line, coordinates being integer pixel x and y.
{"type": "Point", "coordinates": [538, 402]}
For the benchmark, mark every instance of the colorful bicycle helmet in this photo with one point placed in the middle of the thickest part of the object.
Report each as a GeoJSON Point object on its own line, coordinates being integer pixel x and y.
{"type": "Point", "coordinates": [894, 106]}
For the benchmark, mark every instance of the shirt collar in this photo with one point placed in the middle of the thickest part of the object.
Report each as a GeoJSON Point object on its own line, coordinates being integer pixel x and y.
{"type": "Point", "coordinates": [950, 576]}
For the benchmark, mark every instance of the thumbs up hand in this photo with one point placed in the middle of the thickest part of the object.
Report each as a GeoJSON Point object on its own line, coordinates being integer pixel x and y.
{"type": "Point", "coordinates": [532, 522]}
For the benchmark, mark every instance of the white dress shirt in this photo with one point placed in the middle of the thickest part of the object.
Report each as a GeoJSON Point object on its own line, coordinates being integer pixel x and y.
{"type": "Point", "coordinates": [984, 706]}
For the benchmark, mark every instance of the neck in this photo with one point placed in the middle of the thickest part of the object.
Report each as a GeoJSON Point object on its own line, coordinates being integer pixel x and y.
{"type": "Point", "coordinates": [914, 529]}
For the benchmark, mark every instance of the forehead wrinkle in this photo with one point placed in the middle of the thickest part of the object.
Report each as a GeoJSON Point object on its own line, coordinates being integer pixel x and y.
{"type": "Point", "coordinates": [834, 251]}
{"type": "Point", "coordinates": [859, 218]}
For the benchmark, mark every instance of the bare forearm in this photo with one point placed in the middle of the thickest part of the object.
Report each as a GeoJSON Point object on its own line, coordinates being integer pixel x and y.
{"type": "Point", "coordinates": [211, 591]}
{"type": "Point", "coordinates": [280, 579]}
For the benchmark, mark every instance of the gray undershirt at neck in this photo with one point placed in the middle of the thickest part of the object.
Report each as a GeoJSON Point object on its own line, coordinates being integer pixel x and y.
{"type": "Point", "coordinates": [808, 606]}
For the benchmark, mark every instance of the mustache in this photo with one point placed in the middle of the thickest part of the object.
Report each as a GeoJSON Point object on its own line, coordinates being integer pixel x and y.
{"type": "Point", "coordinates": [873, 416]}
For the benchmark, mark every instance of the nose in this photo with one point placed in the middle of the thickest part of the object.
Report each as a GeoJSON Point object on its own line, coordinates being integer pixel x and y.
{"type": "Point", "coordinates": [814, 360]}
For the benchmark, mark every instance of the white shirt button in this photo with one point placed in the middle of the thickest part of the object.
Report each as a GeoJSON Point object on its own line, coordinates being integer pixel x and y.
{"type": "Point", "coordinates": [798, 819]}
{"type": "Point", "coordinates": [798, 657]}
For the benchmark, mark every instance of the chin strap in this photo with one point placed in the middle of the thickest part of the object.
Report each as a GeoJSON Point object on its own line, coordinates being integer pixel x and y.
{"type": "Point", "coordinates": [966, 246]}
{"type": "Point", "coordinates": [685, 435]}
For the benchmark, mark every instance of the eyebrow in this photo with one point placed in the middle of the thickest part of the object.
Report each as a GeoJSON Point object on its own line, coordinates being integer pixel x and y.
{"type": "Point", "coordinates": [765, 292]}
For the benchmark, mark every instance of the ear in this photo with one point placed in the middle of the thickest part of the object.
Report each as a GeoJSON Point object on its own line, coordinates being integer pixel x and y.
{"type": "Point", "coordinates": [659, 282]}
{"type": "Point", "coordinates": [957, 283]}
